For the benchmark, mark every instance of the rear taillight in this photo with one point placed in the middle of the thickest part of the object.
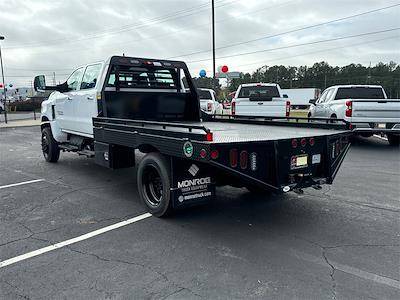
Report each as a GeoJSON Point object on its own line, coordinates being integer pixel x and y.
{"type": "Point", "coordinates": [209, 107]}
{"type": "Point", "coordinates": [233, 107]}
{"type": "Point", "coordinates": [311, 141]}
{"type": "Point", "coordinates": [214, 154]}
{"type": "Point", "coordinates": [233, 158]}
{"type": "Point", "coordinates": [203, 153]}
{"type": "Point", "coordinates": [294, 143]}
{"type": "Point", "coordinates": [349, 108]}
{"type": "Point", "coordinates": [303, 142]}
{"type": "Point", "coordinates": [209, 136]}
{"type": "Point", "coordinates": [287, 109]}
{"type": "Point", "coordinates": [244, 159]}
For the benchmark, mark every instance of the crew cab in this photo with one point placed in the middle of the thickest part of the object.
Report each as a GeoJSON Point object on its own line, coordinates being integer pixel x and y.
{"type": "Point", "coordinates": [365, 107]}
{"type": "Point", "coordinates": [260, 99]}
{"type": "Point", "coordinates": [109, 110]}
{"type": "Point", "coordinates": [208, 101]}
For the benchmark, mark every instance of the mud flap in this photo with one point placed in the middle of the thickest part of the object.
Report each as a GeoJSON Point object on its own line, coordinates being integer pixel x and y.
{"type": "Point", "coordinates": [192, 183]}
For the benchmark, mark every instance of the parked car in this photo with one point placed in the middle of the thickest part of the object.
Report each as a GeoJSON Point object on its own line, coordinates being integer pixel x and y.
{"type": "Point", "coordinates": [260, 99]}
{"type": "Point", "coordinates": [208, 102]}
{"type": "Point", "coordinates": [365, 107]}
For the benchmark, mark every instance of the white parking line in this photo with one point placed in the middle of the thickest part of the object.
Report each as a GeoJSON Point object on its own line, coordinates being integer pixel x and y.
{"type": "Point", "coordinates": [86, 236]}
{"type": "Point", "coordinates": [20, 183]}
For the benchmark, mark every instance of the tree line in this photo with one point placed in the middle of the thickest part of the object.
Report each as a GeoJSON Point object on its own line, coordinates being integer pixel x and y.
{"type": "Point", "coordinates": [321, 75]}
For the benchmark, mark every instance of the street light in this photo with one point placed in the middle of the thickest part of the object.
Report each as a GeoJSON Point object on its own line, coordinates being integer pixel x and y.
{"type": "Point", "coordinates": [4, 83]}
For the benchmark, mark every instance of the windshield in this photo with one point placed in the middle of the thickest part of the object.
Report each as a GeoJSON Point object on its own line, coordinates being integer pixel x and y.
{"type": "Point", "coordinates": [359, 93]}
{"type": "Point", "coordinates": [259, 91]}
{"type": "Point", "coordinates": [204, 95]}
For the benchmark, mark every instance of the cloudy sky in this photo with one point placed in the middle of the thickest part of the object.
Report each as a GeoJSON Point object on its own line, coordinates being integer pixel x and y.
{"type": "Point", "coordinates": [43, 36]}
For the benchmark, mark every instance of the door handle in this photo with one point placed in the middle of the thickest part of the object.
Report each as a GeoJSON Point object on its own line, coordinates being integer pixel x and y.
{"type": "Point", "coordinates": [90, 97]}
{"type": "Point", "coordinates": [260, 103]}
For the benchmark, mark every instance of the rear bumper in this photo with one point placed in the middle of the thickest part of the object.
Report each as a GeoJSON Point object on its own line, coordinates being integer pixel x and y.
{"type": "Point", "coordinates": [372, 128]}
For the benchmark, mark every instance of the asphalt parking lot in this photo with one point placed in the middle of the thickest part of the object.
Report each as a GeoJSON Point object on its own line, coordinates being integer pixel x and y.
{"type": "Point", "coordinates": [339, 243]}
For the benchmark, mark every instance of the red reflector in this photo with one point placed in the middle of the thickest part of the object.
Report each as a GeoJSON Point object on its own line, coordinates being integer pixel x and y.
{"type": "Point", "coordinates": [303, 142]}
{"type": "Point", "coordinates": [244, 159]}
{"type": "Point", "coordinates": [294, 143]}
{"type": "Point", "coordinates": [233, 159]}
{"type": "Point", "coordinates": [312, 142]}
{"type": "Point", "coordinates": [203, 153]}
{"type": "Point", "coordinates": [287, 109]}
{"type": "Point", "coordinates": [209, 136]}
{"type": "Point", "coordinates": [214, 154]}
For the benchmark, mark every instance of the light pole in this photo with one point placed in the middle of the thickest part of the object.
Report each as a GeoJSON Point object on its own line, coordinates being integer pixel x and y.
{"type": "Point", "coordinates": [213, 37]}
{"type": "Point", "coordinates": [4, 83]}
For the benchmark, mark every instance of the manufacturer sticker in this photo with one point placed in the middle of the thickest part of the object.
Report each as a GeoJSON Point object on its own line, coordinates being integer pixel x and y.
{"type": "Point", "coordinates": [188, 149]}
{"type": "Point", "coordinates": [316, 159]}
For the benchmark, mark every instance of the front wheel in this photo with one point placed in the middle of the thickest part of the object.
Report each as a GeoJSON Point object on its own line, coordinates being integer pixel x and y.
{"type": "Point", "coordinates": [50, 149]}
{"type": "Point", "coordinates": [394, 140]}
{"type": "Point", "coordinates": [154, 184]}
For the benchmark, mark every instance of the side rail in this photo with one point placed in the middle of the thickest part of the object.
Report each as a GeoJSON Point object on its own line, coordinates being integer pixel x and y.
{"type": "Point", "coordinates": [169, 129]}
{"type": "Point", "coordinates": [324, 123]}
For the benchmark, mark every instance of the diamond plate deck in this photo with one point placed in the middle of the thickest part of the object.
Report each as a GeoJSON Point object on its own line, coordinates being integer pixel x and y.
{"type": "Point", "coordinates": [235, 132]}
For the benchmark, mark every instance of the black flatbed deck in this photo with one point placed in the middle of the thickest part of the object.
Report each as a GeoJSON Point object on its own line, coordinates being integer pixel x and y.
{"type": "Point", "coordinates": [222, 130]}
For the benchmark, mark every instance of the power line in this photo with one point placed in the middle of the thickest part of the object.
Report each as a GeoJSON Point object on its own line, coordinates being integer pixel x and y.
{"type": "Point", "coordinates": [162, 19]}
{"type": "Point", "coordinates": [159, 36]}
{"type": "Point", "coordinates": [289, 31]}
{"type": "Point", "coordinates": [298, 45]}
{"type": "Point", "coordinates": [314, 52]}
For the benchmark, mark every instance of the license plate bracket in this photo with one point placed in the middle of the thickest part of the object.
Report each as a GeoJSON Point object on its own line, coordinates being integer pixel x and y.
{"type": "Point", "coordinates": [299, 161]}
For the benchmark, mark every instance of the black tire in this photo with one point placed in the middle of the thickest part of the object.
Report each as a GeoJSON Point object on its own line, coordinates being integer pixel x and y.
{"type": "Point", "coordinates": [50, 149]}
{"type": "Point", "coordinates": [394, 140]}
{"type": "Point", "coordinates": [154, 183]}
{"type": "Point", "coordinates": [1, 109]}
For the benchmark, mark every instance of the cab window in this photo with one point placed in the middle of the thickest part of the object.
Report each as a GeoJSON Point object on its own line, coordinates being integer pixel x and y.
{"type": "Point", "coordinates": [90, 77]}
{"type": "Point", "coordinates": [74, 79]}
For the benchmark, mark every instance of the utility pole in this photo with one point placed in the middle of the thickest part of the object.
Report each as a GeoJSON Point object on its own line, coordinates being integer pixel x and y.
{"type": "Point", "coordinates": [4, 83]}
{"type": "Point", "coordinates": [213, 37]}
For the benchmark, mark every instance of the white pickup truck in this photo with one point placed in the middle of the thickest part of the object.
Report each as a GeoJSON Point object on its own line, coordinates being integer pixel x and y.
{"type": "Point", "coordinates": [208, 102]}
{"type": "Point", "coordinates": [260, 99]}
{"type": "Point", "coordinates": [365, 107]}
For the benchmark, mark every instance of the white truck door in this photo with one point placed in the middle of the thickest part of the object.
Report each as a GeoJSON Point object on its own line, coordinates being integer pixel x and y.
{"type": "Point", "coordinates": [86, 106]}
{"type": "Point", "coordinates": [320, 105]}
{"type": "Point", "coordinates": [65, 102]}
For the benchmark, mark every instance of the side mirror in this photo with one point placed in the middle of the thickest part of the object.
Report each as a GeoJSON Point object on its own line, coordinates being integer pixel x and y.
{"type": "Point", "coordinates": [312, 101]}
{"type": "Point", "coordinates": [285, 96]}
{"type": "Point", "coordinates": [39, 83]}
